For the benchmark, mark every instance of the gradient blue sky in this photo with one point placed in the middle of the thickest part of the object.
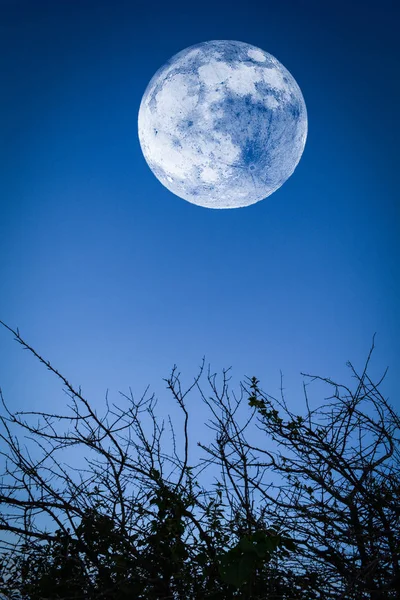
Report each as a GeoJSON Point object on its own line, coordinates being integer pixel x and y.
{"type": "Point", "coordinates": [114, 279]}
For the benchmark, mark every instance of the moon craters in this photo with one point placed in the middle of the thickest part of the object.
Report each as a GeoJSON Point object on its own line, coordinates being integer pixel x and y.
{"type": "Point", "coordinates": [223, 124]}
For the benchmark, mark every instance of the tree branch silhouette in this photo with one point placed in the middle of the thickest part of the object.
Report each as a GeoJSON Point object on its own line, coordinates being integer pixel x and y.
{"type": "Point", "coordinates": [315, 517]}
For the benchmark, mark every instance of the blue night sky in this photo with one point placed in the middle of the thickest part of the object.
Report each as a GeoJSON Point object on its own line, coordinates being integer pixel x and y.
{"type": "Point", "coordinates": [114, 279]}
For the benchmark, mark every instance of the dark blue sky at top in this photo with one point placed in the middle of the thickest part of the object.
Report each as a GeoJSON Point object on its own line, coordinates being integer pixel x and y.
{"type": "Point", "coordinates": [114, 279]}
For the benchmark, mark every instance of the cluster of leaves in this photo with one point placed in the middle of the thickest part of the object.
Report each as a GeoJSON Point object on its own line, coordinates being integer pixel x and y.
{"type": "Point", "coordinates": [100, 562]}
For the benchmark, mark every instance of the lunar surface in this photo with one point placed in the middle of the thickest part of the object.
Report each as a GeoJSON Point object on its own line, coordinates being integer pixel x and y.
{"type": "Point", "coordinates": [222, 124]}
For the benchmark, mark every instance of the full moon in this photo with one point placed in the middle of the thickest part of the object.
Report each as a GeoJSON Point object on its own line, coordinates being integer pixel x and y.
{"type": "Point", "coordinates": [222, 124]}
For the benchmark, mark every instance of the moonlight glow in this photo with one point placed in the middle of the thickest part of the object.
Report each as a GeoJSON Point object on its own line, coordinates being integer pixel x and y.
{"type": "Point", "coordinates": [222, 124]}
